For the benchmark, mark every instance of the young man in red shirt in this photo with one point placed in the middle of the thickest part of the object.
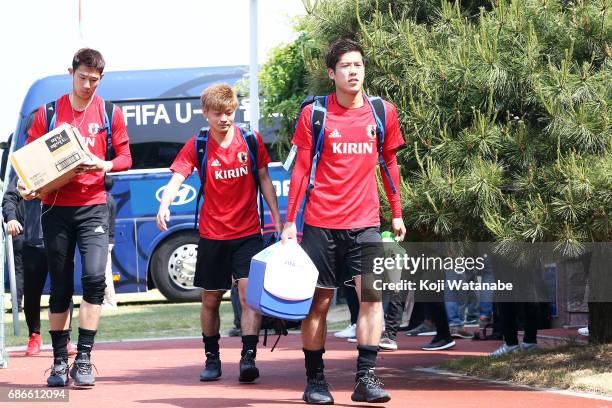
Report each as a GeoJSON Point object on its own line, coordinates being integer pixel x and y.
{"type": "Point", "coordinates": [342, 215]}
{"type": "Point", "coordinates": [230, 230]}
{"type": "Point", "coordinates": [77, 212]}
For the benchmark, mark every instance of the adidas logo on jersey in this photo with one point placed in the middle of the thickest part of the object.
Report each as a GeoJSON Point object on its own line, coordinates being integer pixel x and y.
{"type": "Point", "coordinates": [215, 163]}
{"type": "Point", "coordinates": [352, 148]}
{"type": "Point", "coordinates": [335, 134]}
{"type": "Point", "coordinates": [233, 173]}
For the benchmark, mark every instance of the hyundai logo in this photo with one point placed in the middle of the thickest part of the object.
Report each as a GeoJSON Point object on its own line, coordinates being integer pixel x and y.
{"type": "Point", "coordinates": [186, 194]}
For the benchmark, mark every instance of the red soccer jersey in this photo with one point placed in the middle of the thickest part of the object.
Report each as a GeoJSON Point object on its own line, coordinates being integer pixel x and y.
{"type": "Point", "coordinates": [345, 194]}
{"type": "Point", "coordinates": [229, 207]}
{"type": "Point", "coordinates": [86, 189]}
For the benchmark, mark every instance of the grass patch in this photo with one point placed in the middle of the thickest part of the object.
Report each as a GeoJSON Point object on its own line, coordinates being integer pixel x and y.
{"type": "Point", "coordinates": [131, 322]}
{"type": "Point", "coordinates": [146, 321]}
{"type": "Point", "coordinates": [571, 367]}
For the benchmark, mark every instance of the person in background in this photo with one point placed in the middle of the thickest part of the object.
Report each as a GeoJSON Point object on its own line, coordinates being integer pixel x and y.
{"type": "Point", "coordinates": [436, 314]}
{"type": "Point", "coordinates": [519, 305]}
{"type": "Point", "coordinates": [394, 308]}
{"type": "Point", "coordinates": [110, 300]}
{"type": "Point", "coordinates": [457, 305]}
{"type": "Point", "coordinates": [12, 211]}
{"type": "Point", "coordinates": [510, 313]}
{"type": "Point", "coordinates": [237, 309]}
{"type": "Point", "coordinates": [352, 301]}
{"type": "Point", "coordinates": [35, 269]}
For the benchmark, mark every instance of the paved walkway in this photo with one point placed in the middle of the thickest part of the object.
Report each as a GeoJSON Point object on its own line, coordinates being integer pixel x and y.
{"type": "Point", "coordinates": [165, 373]}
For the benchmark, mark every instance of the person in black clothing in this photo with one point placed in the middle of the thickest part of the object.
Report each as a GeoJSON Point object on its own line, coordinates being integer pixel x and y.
{"type": "Point", "coordinates": [237, 309]}
{"type": "Point", "coordinates": [352, 301]}
{"type": "Point", "coordinates": [12, 211]}
{"type": "Point", "coordinates": [436, 313]}
{"type": "Point", "coordinates": [521, 304]}
{"type": "Point", "coordinates": [510, 313]}
{"type": "Point", "coordinates": [110, 301]}
{"type": "Point", "coordinates": [394, 308]}
{"type": "Point", "coordinates": [35, 267]}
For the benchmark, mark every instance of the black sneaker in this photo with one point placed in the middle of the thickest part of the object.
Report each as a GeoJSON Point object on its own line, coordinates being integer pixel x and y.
{"type": "Point", "coordinates": [317, 391]}
{"type": "Point", "coordinates": [59, 373]}
{"type": "Point", "coordinates": [424, 329]}
{"type": "Point", "coordinates": [248, 370]}
{"type": "Point", "coordinates": [212, 368]}
{"type": "Point", "coordinates": [438, 343]}
{"type": "Point", "coordinates": [459, 332]}
{"type": "Point", "coordinates": [80, 371]}
{"type": "Point", "coordinates": [368, 388]}
{"type": "Point", "coordinates": [235, 332]}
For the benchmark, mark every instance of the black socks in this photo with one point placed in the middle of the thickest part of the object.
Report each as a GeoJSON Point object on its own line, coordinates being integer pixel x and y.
{"type": "Point", "coordinates": [367, 358]}
{"type": "Point", "coordinates": [249, 342]}
{"type": "Point", "coordinates": [314, 362]}
{"type": "Point", "coordinates": [59, 340]}
{"type": "Point", "coordinates": [211, 343]}
{"type": "Point", "coordinates": [86, 340]}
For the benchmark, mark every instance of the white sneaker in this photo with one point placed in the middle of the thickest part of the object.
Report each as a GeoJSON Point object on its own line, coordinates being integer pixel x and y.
{"type": "Point", "coordinates": [528, 346]}
{"type": "Point", "coordinates": [387, 344]}
{"type": "Point", "coordinates": [349, 331]}
{"type": "Point", "coordinates": [503, 350]}
{"type": "Point", "coordinates": [583, 331]}
{"type": "Point", "coordinates": [109, 307]}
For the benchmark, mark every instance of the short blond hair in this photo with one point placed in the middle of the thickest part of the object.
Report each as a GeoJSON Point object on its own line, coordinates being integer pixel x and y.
{"type": "Point", "coordinates": [220, 97]}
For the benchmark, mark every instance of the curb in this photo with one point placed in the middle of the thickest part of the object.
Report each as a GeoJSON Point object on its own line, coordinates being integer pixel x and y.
{"type": "Point", "coordinates": [436, 371]}
{"type": "Point", "coordinates": [47, 347]}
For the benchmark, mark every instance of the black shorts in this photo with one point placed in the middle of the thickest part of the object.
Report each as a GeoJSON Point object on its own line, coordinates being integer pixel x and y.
{"type": "Point", "coordinates": [341, 254]}
{"type": "Point", "coordinates": [63, 228]}
{"type": "Point", "coordinates": [221, 260]}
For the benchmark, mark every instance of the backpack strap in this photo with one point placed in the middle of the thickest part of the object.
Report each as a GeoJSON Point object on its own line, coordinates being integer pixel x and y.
{"type": "Point", "coordinates": [50, 110]}
{"type": "Point", "coordinates": [317, 128]}
{"type": "Point", "coordinates": [253, 149]}
{"type": "Point", "coordinates": [317, 123]}
{"type": "Point", "coordinates": [201, 149]}
{"type": "Point", "coordinates": [109, 113]}
{"type": "Point", "coordinates": [281, 329]}
{"type": "Point", "coordinates": [380, 117]}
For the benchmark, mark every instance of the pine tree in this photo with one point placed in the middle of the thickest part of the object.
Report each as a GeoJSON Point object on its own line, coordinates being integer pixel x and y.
{"type": "Point", "coordinates": [505, 108]}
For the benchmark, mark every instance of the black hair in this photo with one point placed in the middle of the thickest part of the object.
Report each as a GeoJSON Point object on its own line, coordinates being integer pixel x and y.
{"type": "Point", "coordinates": [340, 47]}
{"type": "Point", "coordinates": [90, 58]}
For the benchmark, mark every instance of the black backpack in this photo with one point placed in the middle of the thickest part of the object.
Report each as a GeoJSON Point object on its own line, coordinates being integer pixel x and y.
{"type": "Point", "coordinates": [279, 326]}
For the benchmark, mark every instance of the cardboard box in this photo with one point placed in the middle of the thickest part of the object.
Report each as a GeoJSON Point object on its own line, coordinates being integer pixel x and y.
{"type": "Point", "coordinates": [49, 162]}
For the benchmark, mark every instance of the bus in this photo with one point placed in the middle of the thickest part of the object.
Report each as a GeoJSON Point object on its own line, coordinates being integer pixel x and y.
{"type": "Point", "coordinates": [162, 111]}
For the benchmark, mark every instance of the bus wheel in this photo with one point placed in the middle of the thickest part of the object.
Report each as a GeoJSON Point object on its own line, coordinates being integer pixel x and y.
{"type": "Point", "coordinates": [173, 267]}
